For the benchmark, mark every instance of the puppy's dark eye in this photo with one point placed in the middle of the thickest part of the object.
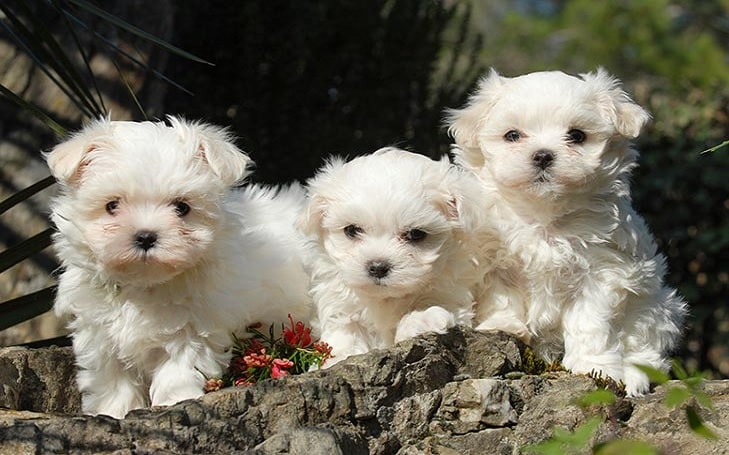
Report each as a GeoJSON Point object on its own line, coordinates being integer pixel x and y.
{"type": "Point", "coordinates": [414, 235]}
{"type": "Point", "coordinates": [182, 208]}
{"type": "Point", "coordinates": [112, 207]}
{"type": "Point", "coordinates": [576, 136]}
{"type": "Point", "coordinates": [512, 136]}
{"type": "Point", "coordinates": [353, 231]}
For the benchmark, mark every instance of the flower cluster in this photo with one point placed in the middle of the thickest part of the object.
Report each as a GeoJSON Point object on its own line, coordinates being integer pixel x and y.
{"type": "Point", "coordinates": [263, 356]}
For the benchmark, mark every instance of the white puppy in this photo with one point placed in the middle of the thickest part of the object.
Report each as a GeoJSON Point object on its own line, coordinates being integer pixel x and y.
{"type": "Point", "coordinates": [391, 259]}
{"type": "Point", "coordinates": [162, 261]}
{"type": "Point", "coordinates": [584, 277]}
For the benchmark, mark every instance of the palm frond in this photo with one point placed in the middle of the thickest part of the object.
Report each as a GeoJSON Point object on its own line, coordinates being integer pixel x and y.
{"type": "Point", "coordinates": [25, 249]}
{"type": "Point", "coordinates": [23, 195]}
{"type": "Point", "coordinates": [136, 31]}
{"type": "Point", "coordinates": [26, 307]}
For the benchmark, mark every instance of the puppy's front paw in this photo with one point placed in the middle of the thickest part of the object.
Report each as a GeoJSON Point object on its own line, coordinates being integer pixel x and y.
{"type": "Point", "coordinates": [636, 382]}
{"type": "Point", "coordinates": [434, 319]}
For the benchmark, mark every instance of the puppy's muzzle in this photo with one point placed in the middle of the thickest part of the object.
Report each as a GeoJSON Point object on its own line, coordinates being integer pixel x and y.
{"type": "Point", "coordinates": [378, 269]}
{"type": "Point", "coordinates": [543, 159]}
{"type": "Point", "coordinates": [145, 240]}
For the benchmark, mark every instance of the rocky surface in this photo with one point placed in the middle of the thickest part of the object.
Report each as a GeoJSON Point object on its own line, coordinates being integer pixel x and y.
{"type": "Point", "coordinates": [457, 393]}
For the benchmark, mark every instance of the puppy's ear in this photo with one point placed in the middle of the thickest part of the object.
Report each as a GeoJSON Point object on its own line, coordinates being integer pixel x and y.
{"type": "Point", "coordinates": [627, 116]}
{"type": "Point", "coordinates": [68, 159]}
{"type": "Point", "coordinates": [310, 220]}
{"type": "Point", "coordinates": [217, 148]}
{"type": "Point", "coordinates": [318, 187]}
{"type": "Point", "coordinates": [463, 124]}
{"type": "Point", "coordinates": [463, 206]}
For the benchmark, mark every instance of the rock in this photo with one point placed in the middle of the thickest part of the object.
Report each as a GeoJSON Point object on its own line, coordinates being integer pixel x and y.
{"type": "Point", "coordinates": [436, 394]}
{"type": "Point", "coordinates": [475, 404]}
{"type": "Point", "coordinates": [41, 380]}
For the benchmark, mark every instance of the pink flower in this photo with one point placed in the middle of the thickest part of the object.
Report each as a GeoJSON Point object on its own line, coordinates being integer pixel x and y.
{"type": "Point", "coordinates": [278, 370]}
{"type": "Point", "coordinates": [242, 381]}
{"type": "Point", "coordinates": [255, 360]}
{"type": "Point", "coordinates": [298, 335]}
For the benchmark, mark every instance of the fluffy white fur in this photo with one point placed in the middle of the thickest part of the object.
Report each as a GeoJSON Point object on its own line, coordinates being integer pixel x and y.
{"type": "Point", "coordinates": [163, 261]}
{"type": "Point", "coordinates": [391, 257]}
{"type": "Point", "coordinates": [580, 276]}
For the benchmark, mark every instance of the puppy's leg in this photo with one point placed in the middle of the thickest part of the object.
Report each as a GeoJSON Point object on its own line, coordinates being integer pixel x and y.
{"type": "Point", "coordinates": [345, 339]}
{"type": "Point", "coordinates": [590, 341]}
{"type": "Point", "coordinates": [434, 319]}
{"type": "Point", "coordinates": [106, 386]}
{"type": "Point", "coordinates": [652, 326]}
{"type": "Point", "coordinates": [181, 376]}
{"type": "Point", "coordinates": [501, 307]}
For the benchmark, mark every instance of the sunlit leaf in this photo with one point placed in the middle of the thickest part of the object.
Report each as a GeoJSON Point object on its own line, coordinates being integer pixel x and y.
{"type": "Point", "coordinates": [676, 396]}
{"type": "Point", "coordinates": [583, 433]}
{"type": "Point", "coordinates": [654, 375]}
{"type": "Point", "coordinates": [625, 447]}
{"type": "Point", "coordinates": [599, 396]}
{"type": "Point", "coordinates": [697, 424]}
{"type": "Point", "coordinates": [703, 399]}
{"type": "Point", "coordinates": [678, 369]}
{"type": "Point", "coordinates": [548, 447]}
{"type": "Point", "coordinates": [716, 147]}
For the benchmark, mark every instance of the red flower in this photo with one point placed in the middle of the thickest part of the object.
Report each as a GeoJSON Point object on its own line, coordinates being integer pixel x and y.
{"type": "Point", "coordinates": [298, 335]}
{"type": "Point", "coordinates": [279, 367]}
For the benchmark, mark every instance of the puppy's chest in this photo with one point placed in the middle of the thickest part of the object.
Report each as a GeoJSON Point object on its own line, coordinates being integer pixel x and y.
{"type": "Point", "coordinates": [140, 328]}
{"type": "Point", "coordinates": [553, 263]}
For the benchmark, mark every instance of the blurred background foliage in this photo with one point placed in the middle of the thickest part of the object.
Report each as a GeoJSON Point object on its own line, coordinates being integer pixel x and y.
{"type": "Point", "coordinates": [298, 81]}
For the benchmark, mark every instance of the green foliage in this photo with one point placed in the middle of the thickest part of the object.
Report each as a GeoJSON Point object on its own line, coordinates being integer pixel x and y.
{"type": "Point", "coordinates": [688, 394]}
{"type": "Point", "coordinates": [625, 447]}
{"type": "Point", "coordinates": [565, 442]}
{"type": "Point", "coordinates": [716, 147]}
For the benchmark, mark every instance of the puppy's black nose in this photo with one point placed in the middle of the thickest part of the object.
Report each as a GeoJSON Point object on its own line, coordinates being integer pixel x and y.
{"type": "Point", "coordinates": [145, 239]}
{"type": "Point", "coordinates": [543, 159]}
{"type": "Point", "coordinates": [378, 269]}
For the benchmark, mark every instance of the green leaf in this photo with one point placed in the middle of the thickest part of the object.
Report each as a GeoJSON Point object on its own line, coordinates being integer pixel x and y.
{"type": "Point", "coordinates": [703, 399]}
{"type": "Point", "coordinates": [625, 447]}
{"type": "Point", "coordinates": [548, 447]}
{"type": "Point", "coordinates": [697, 424]}
{"type": "Point", "coordinates": [26, 307]}
{"type": "Point", "coordinates": [716, 147]}
{"type": "Point", "coordinates": [599, 396]}
{"type": "Point", "coordinates": [654, 375]}
{"type": "Point", "coordinates": [583, 433]}
{"type": "Point", "coordinates": [679, 370]}
{"type": "Point", "coordinates": [676, 396]}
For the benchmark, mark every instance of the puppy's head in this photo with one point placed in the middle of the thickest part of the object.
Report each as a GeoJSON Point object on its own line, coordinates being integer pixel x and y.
{"type": "Point", "coordinates": [385, 220]}
{"type": "Point", "coordinates": [140, 202]}
{"type": "Point", "coordinates": [547, 134]}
